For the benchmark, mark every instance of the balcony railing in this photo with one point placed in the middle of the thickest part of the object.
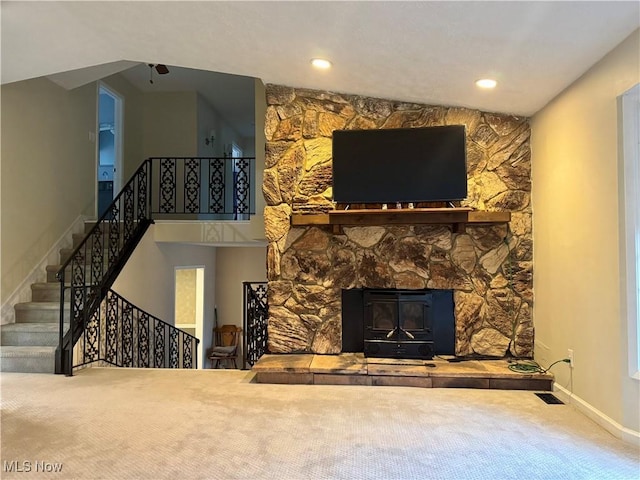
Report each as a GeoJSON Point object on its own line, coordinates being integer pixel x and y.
{"type": "Point", "coordinates": [202, 188]}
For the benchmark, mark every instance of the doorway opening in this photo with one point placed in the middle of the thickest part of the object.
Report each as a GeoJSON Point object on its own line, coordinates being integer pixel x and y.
{"type": "Point", "coordinates": [189, 303]}
{"type": "Point", "coordinates": [110, 128]}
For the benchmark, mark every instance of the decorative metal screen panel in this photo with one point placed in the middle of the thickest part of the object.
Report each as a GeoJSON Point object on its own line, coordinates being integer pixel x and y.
{"type": "Point", "coordinates": [256, 316]}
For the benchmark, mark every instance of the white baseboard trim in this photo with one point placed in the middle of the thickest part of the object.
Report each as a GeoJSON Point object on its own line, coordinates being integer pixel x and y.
{"type": "Point", "coordinates": [38, 274]}
{"type": "Point", "coordinates": [606, 422]}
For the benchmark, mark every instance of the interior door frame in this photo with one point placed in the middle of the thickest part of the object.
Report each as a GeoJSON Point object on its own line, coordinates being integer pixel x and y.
{"type": "Point", "coordinates": [118, 136]}
{"type": "Point", "coordinates": [199, 307]}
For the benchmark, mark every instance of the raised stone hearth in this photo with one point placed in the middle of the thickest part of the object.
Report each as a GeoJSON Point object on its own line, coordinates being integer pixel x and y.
{"type": "Point", "coordinates": [355, 369]}
{"type": "Point", "coordinates": [488, 267]}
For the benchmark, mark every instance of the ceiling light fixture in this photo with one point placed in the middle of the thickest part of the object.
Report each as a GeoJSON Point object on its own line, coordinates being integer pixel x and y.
{"type": "Point", "coordinates": [487, 83]}
{"type": "Point", "coordinates": [321, 63]}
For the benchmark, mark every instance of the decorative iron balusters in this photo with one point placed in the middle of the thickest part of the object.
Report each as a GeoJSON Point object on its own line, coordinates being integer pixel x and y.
{"type": "Point", "coordinates": [203, 186]}
{"type": "Point", "coordinates": [173, 348]}
{"type": "Point", "coordinates": [192, 185]}
{"type": "Point", "coordinates": [187, 354]}
{"type": "Point", "coordinates": [91, 345]}
{"type": "Point", "coordinates": [97, 260]}
{"type": "Point", "coordinates": [128, 213]}
{"type": "Point", "coordinates": [255, 319]}
{"type": "Point", "coordinates": [143, 201]}
{"type": "Point", "coordinates": [158, 346]}
{"type": "Point", "coordinates": [114, 233]}
{"type": "Point", "coordinates": [216, 185]}
{"type": "Point", "coordinates": [143, 340]}
{"type": "Point", "coordinates": [110, 337]}
{"type": "Point", "coordinates": [127, 335]}
{"type": "Point", "coordinates": [242, 186]}
{"type": "Point", "coordinates": [167, 185]}
{"type": "Point", "coordinates": [111, 334]}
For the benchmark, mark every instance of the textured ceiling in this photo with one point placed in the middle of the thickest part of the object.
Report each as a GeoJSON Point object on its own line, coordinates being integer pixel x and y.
{"type": "Point", "coordinates": [427, 52]}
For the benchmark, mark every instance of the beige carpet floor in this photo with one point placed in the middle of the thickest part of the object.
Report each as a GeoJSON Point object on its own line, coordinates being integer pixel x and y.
{"type": "Point", "coordinates": [158, 424]}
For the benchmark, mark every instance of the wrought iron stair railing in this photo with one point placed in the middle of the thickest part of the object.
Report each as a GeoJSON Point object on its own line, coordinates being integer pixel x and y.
{"type": "Point", "coordinates": [255, 318]}
{"type": "Point", "coordinates": [121, 334]}
{"type": "Point", "coordinates": [186, 188]}
{"type": "Point", "coordinates": [96, 262]}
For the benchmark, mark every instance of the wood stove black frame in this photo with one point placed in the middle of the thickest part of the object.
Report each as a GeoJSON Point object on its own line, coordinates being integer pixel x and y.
{"type": "Point", "coordinates": [433, 334]}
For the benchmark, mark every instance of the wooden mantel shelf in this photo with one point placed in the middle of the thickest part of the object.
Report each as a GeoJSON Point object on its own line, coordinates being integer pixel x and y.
{"type": "Point", "coordinates": [458, 217]}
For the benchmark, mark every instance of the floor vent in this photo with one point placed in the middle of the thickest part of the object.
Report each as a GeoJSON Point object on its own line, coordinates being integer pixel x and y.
{"type": "Point", "coordinates": [550, 398]}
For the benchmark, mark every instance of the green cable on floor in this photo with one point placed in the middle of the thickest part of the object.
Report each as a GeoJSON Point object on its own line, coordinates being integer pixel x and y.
{"type": "Point", "coordinates": [533, 367]}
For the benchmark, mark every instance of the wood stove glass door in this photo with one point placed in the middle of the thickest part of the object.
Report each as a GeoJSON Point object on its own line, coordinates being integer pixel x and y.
{"type": "Point", "coordinates": [384, 318]}
{"type": "Point", "coordinates": [414, 321]}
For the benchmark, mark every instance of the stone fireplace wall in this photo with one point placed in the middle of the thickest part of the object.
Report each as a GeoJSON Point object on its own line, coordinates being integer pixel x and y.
{"type": "Point", "coordinates": [489, 267]}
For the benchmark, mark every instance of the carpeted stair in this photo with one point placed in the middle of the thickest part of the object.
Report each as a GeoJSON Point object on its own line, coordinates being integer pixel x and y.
{"type": "Point", "coordinates": [29, 344]}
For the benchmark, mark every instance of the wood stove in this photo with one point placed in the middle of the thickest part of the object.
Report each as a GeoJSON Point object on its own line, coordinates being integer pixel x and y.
{"type": "Point", "coordinates": [398, 324]}
{"type": "Point", "coordinates": [393, 323]}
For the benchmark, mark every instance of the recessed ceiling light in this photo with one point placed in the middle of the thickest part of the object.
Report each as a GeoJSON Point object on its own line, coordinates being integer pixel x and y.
{"type": "Point", "coordinates": [486, 83]}
{"type": "Point", "coordinates": [321, 63]}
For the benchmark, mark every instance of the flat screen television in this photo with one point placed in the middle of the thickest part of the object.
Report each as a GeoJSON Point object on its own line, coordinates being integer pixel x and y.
{"type": "Point", "coordinates": [400, 165]}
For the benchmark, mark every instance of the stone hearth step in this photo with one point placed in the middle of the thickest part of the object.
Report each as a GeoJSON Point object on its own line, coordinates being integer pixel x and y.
{"type": "Point", "coordinates": [356, 369]}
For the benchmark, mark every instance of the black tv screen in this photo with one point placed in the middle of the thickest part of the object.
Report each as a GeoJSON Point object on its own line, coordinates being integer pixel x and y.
{"type": "Point", "coordinates": [400, 165]}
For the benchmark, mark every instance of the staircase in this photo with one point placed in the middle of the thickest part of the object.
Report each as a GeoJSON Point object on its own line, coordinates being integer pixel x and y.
{"type": "Point", "coordinates": [29, 345]}
{"type": "Point", "coordinates": [104, 325]}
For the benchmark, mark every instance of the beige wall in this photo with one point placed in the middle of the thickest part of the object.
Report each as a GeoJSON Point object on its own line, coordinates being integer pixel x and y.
{"type": "Point", "coordinates": [148, 279]}
{"type": "Point", "coordinates": [170, 124]}
{"type": "Point", "coordinates": [208, 121]}
{"type": "Point", "coordinates": [577, 278]}
{"type": "Point", "coordinates": [235, 265]}
{"type": "Point", "coordinates": [48, 170]}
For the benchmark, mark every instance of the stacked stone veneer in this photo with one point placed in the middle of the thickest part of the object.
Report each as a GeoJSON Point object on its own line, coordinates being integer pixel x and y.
{"type": "Point", "coordinates": [488, 267]}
